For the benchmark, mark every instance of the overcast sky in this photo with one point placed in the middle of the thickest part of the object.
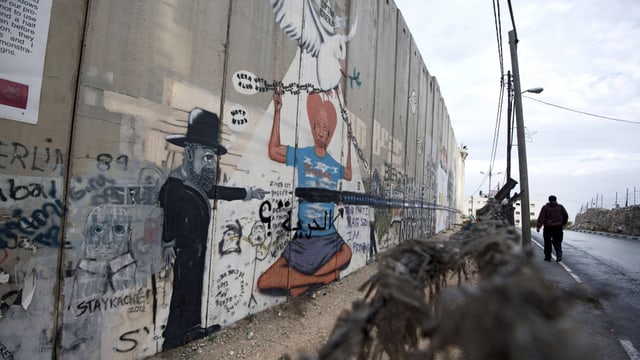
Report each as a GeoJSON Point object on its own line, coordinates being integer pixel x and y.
{"type": "Point", "coordinates": [586, 56]}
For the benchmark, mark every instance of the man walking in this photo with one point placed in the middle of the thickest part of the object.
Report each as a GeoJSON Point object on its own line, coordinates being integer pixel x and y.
{"type": "Point", "coordinates": [553, 217]}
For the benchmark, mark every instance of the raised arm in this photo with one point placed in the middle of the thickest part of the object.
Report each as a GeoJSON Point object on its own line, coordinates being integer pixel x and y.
{"type": "Point", "coordinates": [277, 151]}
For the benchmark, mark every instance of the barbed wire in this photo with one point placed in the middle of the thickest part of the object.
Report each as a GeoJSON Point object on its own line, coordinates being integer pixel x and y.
{"type": "Point", "coordinates": [502, 308]}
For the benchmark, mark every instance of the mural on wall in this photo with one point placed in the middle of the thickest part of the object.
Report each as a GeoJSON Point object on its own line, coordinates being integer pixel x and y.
{"type": "Point", "coordinates": [317, 252]}
{"type": "Point", "coordinates": [111, 266]}
{"type": "Point", "coordinates": [108, 264]}
{"type": "Point", "coordinates": [319, 38]}
{"type": "Point", "coordinates": [302, 235]}
{"type": "Point", "coordinates": [184, 197]}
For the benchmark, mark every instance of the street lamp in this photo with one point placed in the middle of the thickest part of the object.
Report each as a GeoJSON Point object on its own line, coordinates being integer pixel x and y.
{"type": "Point", "coordinates": [535, 90]}
{"type": "Point", "coordinates": [490, 174]}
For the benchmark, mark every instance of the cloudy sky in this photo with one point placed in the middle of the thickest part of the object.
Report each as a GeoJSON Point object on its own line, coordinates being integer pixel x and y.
{"type": "Point", "coordinates": [586, 56]}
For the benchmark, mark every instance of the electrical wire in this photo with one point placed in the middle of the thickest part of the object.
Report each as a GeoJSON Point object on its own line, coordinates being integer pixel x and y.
{"type": "Point", "coordinates": [498, 25]}
{"type": "Point", "coordinates": [480, 186]}
{"type": "Point", "coordinates": [583, 112]}
{"type": "Point", "coordinates": [496, 132]}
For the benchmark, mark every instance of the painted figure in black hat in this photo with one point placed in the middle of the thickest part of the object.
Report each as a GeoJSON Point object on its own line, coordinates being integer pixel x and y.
{"type": "Point", "coordinates": [185, 199]}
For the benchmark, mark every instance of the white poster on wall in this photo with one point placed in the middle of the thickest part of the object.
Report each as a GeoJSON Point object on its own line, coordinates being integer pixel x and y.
{"type": "Point", "coordinates": [24, 28]}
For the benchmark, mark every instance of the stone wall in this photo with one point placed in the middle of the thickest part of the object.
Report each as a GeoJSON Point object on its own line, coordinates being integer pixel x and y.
{"type": "Point", "coordinates": [624, 220]}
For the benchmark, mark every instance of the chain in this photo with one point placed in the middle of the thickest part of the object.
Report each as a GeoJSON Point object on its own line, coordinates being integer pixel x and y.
{"type": "Point", "coordinates": [262, 85]}
{"type": "Point", "coordinates": [353, 139]}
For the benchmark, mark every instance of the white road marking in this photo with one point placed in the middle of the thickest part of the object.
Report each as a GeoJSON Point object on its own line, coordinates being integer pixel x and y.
{"type": "Point", "coordinates": [630, 349]}
{"type": "Point", "coordinates": [571, 273]}
{"type": "Point", "coordinates": [626, 344]}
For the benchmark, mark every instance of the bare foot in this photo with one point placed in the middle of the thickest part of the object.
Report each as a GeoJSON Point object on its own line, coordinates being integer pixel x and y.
{"type": "Point", "coordinates": [295, 292]}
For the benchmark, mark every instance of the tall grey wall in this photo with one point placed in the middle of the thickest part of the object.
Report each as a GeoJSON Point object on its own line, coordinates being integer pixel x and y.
{"type": "Point", "coordinates": [195, 162]}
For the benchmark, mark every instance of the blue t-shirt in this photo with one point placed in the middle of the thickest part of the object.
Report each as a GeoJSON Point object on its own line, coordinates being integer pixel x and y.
{"type": "Point", "coordinates": [315, 172]}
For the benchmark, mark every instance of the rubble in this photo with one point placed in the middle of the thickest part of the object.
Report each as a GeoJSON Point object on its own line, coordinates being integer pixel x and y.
{"type": "Point", "coordinates": [623, 220]}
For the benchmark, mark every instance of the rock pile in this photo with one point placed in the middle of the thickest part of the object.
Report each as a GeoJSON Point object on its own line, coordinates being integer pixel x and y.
{"type": "Point", "coordinates": [625, 220]}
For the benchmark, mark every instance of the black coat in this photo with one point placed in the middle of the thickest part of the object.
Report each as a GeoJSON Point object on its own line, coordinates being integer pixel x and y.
{"type": "Point", "coordinates": [186, 220]}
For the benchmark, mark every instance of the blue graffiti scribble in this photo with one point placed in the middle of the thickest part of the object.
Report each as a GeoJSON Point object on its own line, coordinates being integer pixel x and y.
{"type": "Point", "coordinates": [355, 78]}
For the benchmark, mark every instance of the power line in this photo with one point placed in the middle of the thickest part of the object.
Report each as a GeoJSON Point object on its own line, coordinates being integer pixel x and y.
{"type": "Point", "coordinates": [481, 184]}
{"type": "Point", "coordinates": [583, 112]}
{"type": "Point", "coordinates": [496, 133]}
{"type": "Point", "coordinates": [498, 25]}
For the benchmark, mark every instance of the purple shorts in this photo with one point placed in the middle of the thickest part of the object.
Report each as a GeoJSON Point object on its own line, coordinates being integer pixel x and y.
{"type": "Point", "coordinates": [307, 255]}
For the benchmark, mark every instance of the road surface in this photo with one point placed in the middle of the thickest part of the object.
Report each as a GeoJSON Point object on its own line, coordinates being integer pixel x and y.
{"type": "Point", "coordinates": [611, 264]}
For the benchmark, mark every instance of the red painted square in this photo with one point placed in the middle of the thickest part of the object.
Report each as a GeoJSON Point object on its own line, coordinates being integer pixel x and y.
{"type": "Point", "coordinates": [13, 94]}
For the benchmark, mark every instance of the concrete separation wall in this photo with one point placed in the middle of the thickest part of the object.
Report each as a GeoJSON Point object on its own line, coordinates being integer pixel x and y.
{"type": "Point", "coordinates": [196, 162]}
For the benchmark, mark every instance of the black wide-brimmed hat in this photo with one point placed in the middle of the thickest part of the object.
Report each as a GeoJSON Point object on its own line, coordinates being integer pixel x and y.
{"type": "Point", "coordinates": [203, 129]}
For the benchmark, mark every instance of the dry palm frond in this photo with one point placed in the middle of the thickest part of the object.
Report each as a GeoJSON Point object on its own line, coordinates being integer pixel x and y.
{"type": "Point", "coordinates": [502, 307]}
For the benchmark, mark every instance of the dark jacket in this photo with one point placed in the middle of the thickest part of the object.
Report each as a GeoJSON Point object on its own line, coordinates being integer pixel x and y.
{"type": "Point", "coordinates": [186, 221]}
{"type": "Point", "coordinates": [552, 214]}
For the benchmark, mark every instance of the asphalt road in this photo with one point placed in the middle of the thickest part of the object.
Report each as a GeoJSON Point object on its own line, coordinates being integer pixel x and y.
{"type": "Point", "coordinates": [603, 263]}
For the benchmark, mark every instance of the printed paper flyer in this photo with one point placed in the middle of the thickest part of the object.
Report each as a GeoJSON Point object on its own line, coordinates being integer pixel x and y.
{"type": "Point", "coordinates": [24, 28]}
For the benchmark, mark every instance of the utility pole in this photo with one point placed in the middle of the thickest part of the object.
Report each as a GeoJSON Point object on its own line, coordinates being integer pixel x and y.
{"type": "Point", "coordinates": [626, 200]}
{"type": "Point", "coordinates": [509, 123]}
{"type": "Point", "coordinates": [490, 174]}
{"type": "Point", "coordinates": [522, 150]}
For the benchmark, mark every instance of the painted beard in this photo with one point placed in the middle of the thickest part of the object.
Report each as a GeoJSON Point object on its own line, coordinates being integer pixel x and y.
{"type": "Point", "coordinates": [205, 180]}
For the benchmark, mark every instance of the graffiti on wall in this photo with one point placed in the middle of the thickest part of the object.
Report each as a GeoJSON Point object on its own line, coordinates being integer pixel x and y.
{"type": "Point", "coordinates": [112, 277]}
{"type": "Point", "coordinates": [32, 205]}
{"type": "Point", "coordinates": [108, 264]}
{"type": "Point", "coordinates": [30, 223]}
{"type": "Point", "coordinates": [31, 216]}
{"type": "Point", "coordinates": [16, 155]}
{"type": "Point", "coordinates": [26, 227]}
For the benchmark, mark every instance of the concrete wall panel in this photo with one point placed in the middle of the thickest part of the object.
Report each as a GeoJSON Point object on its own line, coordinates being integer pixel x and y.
{"type": "Point", "coordinates": [384, 102]}
{"type": "Point", "coordinates": [401, 95]}
{"type": "Point", "coordinates": [412, 213]}
{"type": "Point", "coordinates": [424, 148]}
{"type": "Point", "coordinates": [431, 160]}
{"type": "Point", "coordinates": [360, 86]}
{"type": "Point", "coordinates": [415, 71]}
{"type": "Point", "coordinates": [248, 235]}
